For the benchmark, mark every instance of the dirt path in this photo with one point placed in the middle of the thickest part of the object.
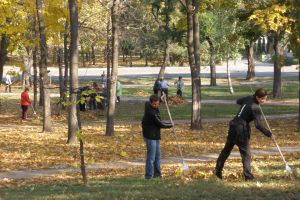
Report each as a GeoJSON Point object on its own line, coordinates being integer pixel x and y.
{"type": "Point", "coordinates": [130, 164]}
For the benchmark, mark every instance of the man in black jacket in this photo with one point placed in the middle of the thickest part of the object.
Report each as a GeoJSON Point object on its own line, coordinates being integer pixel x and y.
{"type": "Point", "coordinates": [239, 132]}
{"type": "Point", "coordinates": [151, 125]}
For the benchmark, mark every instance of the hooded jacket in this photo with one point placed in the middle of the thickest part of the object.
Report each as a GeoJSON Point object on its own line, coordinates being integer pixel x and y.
{"type": "Point", "coordinates": [151, 123]}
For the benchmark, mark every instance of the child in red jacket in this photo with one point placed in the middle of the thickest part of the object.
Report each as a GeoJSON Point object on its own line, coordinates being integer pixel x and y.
{"type": "Point", "coordinates": [25, 102]}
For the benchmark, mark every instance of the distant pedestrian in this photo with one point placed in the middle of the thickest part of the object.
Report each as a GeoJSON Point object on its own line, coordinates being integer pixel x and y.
{"type": "Point", "coordinates": [8, 82]}
{"type": "Point", "coordinates": [239, 132]}
{"type": "Point", "coordinates": [151, 125]}
{"type": "Point", "coordinates": [118, 91]}
{"type": "Point", "coordinates": [180, 86]}
{"type": "Point", "coordinates": [25, 102]}
{"type": "Point", "coordinates": [164, 86]}
{"type": "Point", "coordinates": [156, 86]}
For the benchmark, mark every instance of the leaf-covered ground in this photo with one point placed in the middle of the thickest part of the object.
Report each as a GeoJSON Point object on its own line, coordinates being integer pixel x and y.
{"type": "Point", "coordinates": [27, 148]}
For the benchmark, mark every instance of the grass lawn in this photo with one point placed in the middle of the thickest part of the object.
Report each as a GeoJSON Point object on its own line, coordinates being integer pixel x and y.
{"type": "Point", "coordinates": [272, 184]}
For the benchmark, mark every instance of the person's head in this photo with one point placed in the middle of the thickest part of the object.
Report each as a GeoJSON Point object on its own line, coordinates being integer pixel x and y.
{"type": "Point", "coordinates": [261, 95]}
{"type": "Point", "coordinates": [26, 89]}
{"type": "Point", "coordinates": [161, 79]}
{"type": "Point", "coordinates": [180, 77]}
{"type": "Point", "coordinates": [154, 101]}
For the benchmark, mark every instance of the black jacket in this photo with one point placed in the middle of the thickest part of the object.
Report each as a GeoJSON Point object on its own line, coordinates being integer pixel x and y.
{"type": "Point", "coordinates": [151, 123]}
{"type": "Point", "coordinates": [250, 111]}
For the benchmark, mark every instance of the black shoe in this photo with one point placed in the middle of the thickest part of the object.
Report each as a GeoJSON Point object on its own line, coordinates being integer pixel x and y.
{"type": "Point", "coordinates": [218, 174]}
{"type": "Point", "coordinates": [251, 178]}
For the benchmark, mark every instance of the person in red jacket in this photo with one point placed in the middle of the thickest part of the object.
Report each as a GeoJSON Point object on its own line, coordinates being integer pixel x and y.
{"type": "Point", "coordinates": [25, 102]}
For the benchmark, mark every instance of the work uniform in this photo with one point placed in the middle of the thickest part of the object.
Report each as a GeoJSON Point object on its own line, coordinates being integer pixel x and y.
{"type": "Point", "coordinates": [239, 134]}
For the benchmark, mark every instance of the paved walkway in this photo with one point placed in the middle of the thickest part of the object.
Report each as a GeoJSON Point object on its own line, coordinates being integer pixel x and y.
{"type": "Point", "coordinates": [189, 159]}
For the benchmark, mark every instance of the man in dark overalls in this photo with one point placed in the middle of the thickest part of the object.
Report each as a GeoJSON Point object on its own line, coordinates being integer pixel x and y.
{"type": "Point", "coordinates": [239, 132]}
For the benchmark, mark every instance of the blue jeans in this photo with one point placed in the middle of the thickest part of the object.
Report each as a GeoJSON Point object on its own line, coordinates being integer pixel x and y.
{"type": "Point", "coordinates": [152, 168]}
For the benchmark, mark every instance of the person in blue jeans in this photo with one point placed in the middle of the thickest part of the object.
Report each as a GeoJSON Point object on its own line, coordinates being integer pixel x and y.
{"type": "Point", "coordinates": [151, 125]}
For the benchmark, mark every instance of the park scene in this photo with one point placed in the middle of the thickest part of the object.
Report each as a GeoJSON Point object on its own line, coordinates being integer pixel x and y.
{"type": "Point", "coordinates": [152, 99]}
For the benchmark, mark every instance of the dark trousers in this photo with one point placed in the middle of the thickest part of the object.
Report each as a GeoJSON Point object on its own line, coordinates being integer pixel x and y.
{"type": "Point", "coordinates": [237, 135]}
{"type": "Point", "coordinates": [8, 87]}
{"type": "Point", "coordinates": [179, 93]}
{"type": "Point", "coordinates": [24, 112]}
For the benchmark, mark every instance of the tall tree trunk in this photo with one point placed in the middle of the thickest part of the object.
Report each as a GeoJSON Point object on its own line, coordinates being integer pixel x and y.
{"type": "Point", "coordinates": [114, 71]}
{"type": "Point", "coordinates": [212, 64]}
{"type": "Point", "coordinates": [195, 67]}
{"type": "Point", "coordinates": [28, 62]}
{"type": "Point", "coordinates": [35, 78]}
{"type": "Point", "coordinates": [61, 79]}
{"type": "Point", "coordinates": [72, 114]}
{"type": "Point", "coordinates": [108, 57]}
{"type": "Point", "coordinates": [278, 64]}
{"type": "Point", "coordinates": [166, 59]}
{"type": "Point", "coordinates": [47, 124]}
{"type": "Point", "coordinates": [3, 53]}
{"type": "Point", "coordinates": [66, 61]}
{"type": "Point", "coordinates": [196, 85]}
{"type": "Point", "coordinates": [251, 63]}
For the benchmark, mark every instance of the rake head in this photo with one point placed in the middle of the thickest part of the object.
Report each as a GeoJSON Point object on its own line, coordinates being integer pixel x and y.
{"type": "Point", "coordinates": [288, 168]}
{"type": "Point", "coordinates": [185, 167]}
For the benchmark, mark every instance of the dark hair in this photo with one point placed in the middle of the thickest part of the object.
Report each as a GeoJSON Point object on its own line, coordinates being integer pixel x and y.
{"type": "Point", "coordinates": [26, 89]}
{"type": "Point", "coordinates": [260, 93]}
{"type": "Point", "coordinates": [154, 97]}
{"type": "Point", "coordinates": [180, 77]}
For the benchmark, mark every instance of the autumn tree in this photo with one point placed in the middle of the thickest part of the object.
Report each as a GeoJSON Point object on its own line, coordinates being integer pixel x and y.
{"type": "Point", "coordinates": [115, 13]}
{"type": "Point", "coordinates": [273, 20]}
{"type": "Point", "coordinates": [47, 124]}
{"type": "Point", "coordinates": [72, 113]}
{"type": "Point", "coordinates": [193, 46]}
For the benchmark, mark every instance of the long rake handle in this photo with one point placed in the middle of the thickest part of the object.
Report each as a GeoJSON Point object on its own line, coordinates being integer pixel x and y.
{"type": "Point", "coordinates": [173, 128]}
{"type": "Point", "coordinates": [272, 138]}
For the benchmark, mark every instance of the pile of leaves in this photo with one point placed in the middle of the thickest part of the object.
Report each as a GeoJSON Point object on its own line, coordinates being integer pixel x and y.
{"type": "Point", "coordinates": [176, 100]}
{"type": "Point", "coordinates": [141, 94]}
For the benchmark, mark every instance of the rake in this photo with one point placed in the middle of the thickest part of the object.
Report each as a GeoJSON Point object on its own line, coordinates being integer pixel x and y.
{"type": "Point", "coordinates": [34, 113]}
{"type": "Point", "coordinates": [184, 166]}
{"type": "Point", "coordinates": [287, 167]}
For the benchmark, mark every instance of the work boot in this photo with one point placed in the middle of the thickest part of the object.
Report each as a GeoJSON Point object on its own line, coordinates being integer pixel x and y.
{"type": "Point", "coordinates": [217, 174]}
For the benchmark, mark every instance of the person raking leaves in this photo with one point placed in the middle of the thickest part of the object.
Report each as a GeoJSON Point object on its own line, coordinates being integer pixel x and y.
{"type": "Point", "coordinates": [151, 125]}
{"type": "Point", "coordinates": [239, 132]}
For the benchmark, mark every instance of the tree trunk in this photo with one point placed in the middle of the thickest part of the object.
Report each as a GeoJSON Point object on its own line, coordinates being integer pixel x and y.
{"type": "Point", "coordinates": [114, 71]}
{"type": "Point", "coordinates": [228, 73]}
{"type": "Point", "coordinates": [47, 124]}
{"type": "Point", "coordinates": [81, 146]}
{"type": "Point", "coordinates": [196, 122]}
{"type": "Point", "coordinates": [212, 64]}
{"type": "Point", "coordinates": [3, 53]}
{"type": "Point", "coordinates": [61, 79]}
{"type": "Point", "coordinates": [28, 62]}
{"type": "Point", "coordinates": [194, 61]}
{"type": "Point", "coordinates": [72, 114]}
{"type": "Point", "coordinates": [66, 61]}
{"type": "Point", "coordinates": [278, 64]}
{"type": "Point", "coordinates": [251, 63]}
{"type": "Point", "coordinates": [35, 78]}
{"type": "Point", "coordinates": [269, 44]}
{"type": "Point", "coordinates": [166, 59]}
